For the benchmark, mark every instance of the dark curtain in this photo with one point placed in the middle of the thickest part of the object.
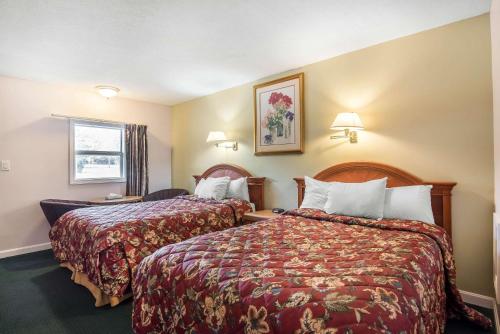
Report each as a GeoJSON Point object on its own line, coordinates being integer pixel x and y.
{"type": "Point", "coordinates": [136, 141]}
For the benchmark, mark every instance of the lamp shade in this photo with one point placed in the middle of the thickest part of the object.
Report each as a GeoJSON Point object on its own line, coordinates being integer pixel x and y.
{"type": "Point", "coordinates": [347, 120]}
{"type": "Point", "coordinates": [216, 136]}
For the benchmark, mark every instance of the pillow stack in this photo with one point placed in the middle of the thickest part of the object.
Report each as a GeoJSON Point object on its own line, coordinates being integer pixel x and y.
{"type": "Point", "coordinates": [316, 194]}
{"type": "Point", "coordinates": [212, 187]}
{"type": "Point", "coordinates": [409, 203]}
{"type": "Point", "coordinates": [357, 199]}
{"type": "Point", "coordinates": [219, 188]}
{"type": "Point", "coordinates": [238, 189]}
{"type": "Point", "coordinates": [370, 200]}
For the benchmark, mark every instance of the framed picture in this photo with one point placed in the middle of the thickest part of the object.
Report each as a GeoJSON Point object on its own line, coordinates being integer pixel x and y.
{"type": "Point", "coordinates": [279, 116]}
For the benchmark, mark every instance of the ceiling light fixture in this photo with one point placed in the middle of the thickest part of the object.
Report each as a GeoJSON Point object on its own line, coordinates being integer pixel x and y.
{"type": "Point", "coordinates": [107, 91]}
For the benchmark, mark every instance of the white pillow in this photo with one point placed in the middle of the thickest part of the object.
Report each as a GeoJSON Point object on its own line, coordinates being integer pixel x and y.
{"type": "Point", "coordinates": [409, 203]}
{"type": "Point", "coordinates": [315, 194]}
{"type": "Point", "coordinates": [211, 187]}
{"type": "Point", "coordinates": [364, 199]}
{"type": "Point", "coordinates": [238, 189]}
{"type": "Point", "coordinates": [199, 187]}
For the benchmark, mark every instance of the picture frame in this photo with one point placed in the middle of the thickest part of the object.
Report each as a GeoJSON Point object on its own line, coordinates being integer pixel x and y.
{"type": "Point", "coordinates": [279, 116]}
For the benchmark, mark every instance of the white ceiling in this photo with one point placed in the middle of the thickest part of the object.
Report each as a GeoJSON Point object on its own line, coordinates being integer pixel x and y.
{"type": "Point", "coordinates": [173, 51]}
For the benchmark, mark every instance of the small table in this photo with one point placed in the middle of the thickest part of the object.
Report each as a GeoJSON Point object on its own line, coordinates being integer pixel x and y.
{"type": "Point", "coordinates": [256, 216]}
{"type": "Point", "coordinates": [123, 200]}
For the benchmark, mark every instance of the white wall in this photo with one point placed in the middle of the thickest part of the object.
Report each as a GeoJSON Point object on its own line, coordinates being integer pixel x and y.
{"type": "Point", "coordinates": [37, 146]}
{"type": "Point", "coordinates": [495, 68]}
{"type": "Point", "coordinates": [495, 60]}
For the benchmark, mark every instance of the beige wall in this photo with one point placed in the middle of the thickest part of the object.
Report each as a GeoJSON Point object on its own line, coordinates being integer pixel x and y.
{"type": "Point", "coordinates": [37, 146]}
{"type": "Point", "coordinates": [426, 103]}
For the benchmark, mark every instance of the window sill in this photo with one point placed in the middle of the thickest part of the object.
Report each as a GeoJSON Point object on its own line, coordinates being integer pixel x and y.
{"type": "Point", "coordinates": [91, 181]}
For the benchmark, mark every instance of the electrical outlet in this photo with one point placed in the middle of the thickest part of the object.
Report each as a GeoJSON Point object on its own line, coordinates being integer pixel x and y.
{"type": "Point", "coordinates": [5, 165]}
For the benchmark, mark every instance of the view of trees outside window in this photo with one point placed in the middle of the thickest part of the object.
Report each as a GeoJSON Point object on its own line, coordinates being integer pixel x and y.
{"type": "Point", "coordinates": [98, 152]}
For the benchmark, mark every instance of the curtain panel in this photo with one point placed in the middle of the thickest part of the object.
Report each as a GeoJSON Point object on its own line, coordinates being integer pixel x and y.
{"type": "Point", "coordinates": [136, 141]}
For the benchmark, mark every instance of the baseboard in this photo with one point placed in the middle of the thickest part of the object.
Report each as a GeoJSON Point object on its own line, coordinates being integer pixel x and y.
{"type": "Point", "coordinates": [24, 250]}
{"type": "Point", "coordinates": [477, 299]}
{"type": "Point", "coordinates": [495, 287]}
{"type": "Point", "coordinates": [497, 321]}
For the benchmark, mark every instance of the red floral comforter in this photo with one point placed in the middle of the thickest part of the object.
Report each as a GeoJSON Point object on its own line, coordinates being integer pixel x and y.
{"type": "Point", "coordinates": [303, 272]}
{"type": "Point", "coordinates": [108, 242]}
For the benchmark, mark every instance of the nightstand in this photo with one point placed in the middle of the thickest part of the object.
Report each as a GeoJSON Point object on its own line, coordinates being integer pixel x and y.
{"type": "Point", "coordinates": [256, 216]}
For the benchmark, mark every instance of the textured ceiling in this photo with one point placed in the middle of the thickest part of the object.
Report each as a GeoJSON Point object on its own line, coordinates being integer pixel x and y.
{"type": "Point", "coordinates": [173, 51]}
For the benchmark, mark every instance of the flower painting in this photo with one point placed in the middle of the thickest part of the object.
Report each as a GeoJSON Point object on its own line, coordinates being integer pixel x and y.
{"type": "Point", "coordinates": [279, 116]}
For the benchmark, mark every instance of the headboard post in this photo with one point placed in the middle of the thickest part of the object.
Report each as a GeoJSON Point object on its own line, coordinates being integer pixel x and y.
{"type": "Point", "coordinates": [365, 171]}
{"type": "Point", "coordinates": [301, 187]}
{"type": "Point", "coordinates": [441, 203]}
{"type": "Point", "coordinates": [255, 184]}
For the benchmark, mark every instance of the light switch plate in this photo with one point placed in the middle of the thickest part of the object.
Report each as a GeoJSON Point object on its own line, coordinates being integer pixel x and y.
{"type": "Point", "coordinates": [5, 165]}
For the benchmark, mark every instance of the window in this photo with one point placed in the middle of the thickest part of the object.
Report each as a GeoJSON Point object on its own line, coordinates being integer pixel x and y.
{"type": "Point", "coordinates": [97, 152]}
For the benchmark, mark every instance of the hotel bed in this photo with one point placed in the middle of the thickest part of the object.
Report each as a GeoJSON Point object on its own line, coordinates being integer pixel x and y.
{"type": "Point", "coordinates": [103, 245]}
{"type": "Point", "coordinates": [309, 272]}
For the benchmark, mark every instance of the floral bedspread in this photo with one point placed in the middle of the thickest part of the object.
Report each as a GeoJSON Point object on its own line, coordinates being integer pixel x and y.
{"type": "Point", "coordinates": [108, 242]}
{"type": "Point", "coordinates": [303, 272]}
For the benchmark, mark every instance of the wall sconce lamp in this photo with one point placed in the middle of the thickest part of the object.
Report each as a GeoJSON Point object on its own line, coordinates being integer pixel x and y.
{"type": "Point", "coordinates": [220, 140]}
{"type": "Point", "coordinates": [350, 123]}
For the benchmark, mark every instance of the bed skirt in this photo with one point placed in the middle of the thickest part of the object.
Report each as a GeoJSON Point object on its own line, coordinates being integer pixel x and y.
{"type": "Point", "coordinates": [101, 299]}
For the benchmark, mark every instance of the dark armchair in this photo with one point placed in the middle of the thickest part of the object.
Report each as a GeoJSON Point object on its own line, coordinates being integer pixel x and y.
{"type": "Point", "coordinates": [164, 194]}
{"type": "Point", "coordinates": [55, 208]}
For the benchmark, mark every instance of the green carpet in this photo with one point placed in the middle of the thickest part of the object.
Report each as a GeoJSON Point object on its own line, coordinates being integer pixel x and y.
{"type": "Point", "coordinates": [37, 296]}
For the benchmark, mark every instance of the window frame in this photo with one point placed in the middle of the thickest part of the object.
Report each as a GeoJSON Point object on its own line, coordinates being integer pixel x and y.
{"type": "Point", "coordinates": [73, 153]}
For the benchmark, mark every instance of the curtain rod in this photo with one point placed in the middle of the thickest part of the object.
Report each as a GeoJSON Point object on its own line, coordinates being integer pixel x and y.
{"type": "Point", "coordinates": [88, 119]}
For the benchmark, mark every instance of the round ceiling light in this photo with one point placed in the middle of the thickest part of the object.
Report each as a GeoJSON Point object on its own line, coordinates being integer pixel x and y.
{"type": "Point", "coordinates": [107, 91]}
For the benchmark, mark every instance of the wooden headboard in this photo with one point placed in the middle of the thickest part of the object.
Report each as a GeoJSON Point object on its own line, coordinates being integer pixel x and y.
{"type": "Point", "coordinates": [255, 184]}
{"type": "Point", "coordinates": [365, 171]}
